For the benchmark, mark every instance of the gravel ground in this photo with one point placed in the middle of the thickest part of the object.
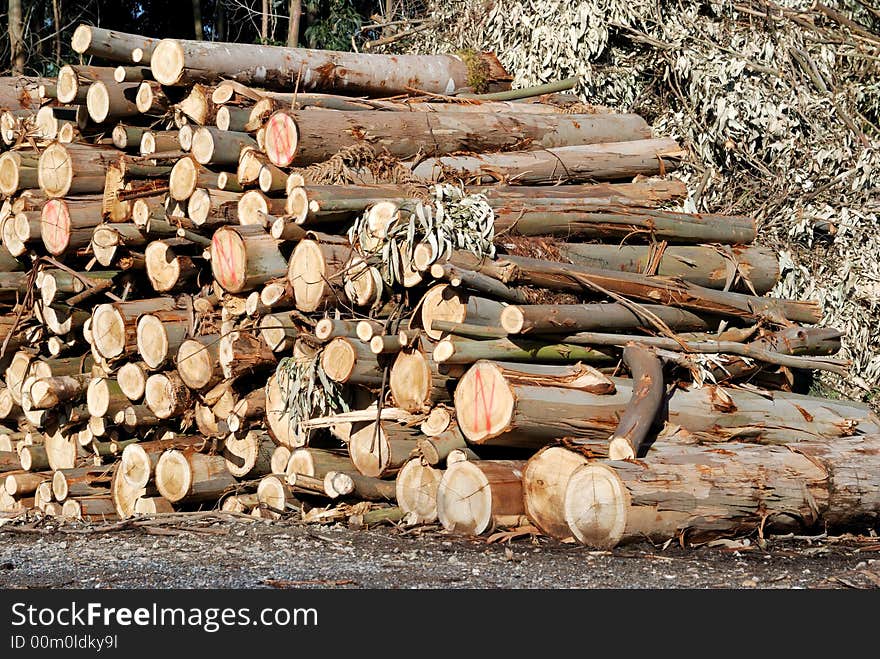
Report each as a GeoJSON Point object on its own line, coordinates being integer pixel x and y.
{"type": "Point", "coordinates": [240, 554]}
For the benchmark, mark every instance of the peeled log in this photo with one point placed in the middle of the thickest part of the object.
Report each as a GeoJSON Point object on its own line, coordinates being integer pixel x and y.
{"type": "Point", "coordinates": [416, 488]}
{"type": "Point", "coordinates": [245, 257]}
{"type": "Point", "coordinates": [701, 492]}
{"type": "Point", "coordinates": [176, 62]}
{"type": "Point", "coordinates": [491, 410]}
{"type": "Point", "coordinates": [186, 476]}
{"type": "Point", "coordinates": [305, 137]}
{"type": "Point", "coordinates": [472, 496]}
{"type": "Point", "coordinates": [590, 162]}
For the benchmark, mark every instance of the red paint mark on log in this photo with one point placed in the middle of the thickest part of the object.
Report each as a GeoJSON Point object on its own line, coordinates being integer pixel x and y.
{"type": "Point", "coordinates": [227, 272]}
{"type": "Point", "coordinates": [480, 397]}
{"type": "Point", "coordinates": [281, 144]}
{"type": "Point", "coordinates": [57, 218]}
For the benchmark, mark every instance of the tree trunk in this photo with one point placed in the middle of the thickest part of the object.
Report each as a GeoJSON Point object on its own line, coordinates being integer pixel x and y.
{"type": "Point", "coordinates": [17, 53]}
{"type": "Point", "coordinates": [212, 146]}
{"type": "Point", "coordinates": [699, 492]}
{"type": "Point", "coordinates": [609, 161]}
{"type": "Point", "coordinates": [74, 169]}
{"type": "Point", "coordinates": [198, 362]}
{"type": "Point", "coordinates": [474, 496]}
{"type": "Point", "coordinates": [306, 137]}
{"type": "Point", "coordinates": [346, 360]}
{"type": "Point", "coordinates": [492, 410]}
{"type": "Point", "coordinates": [177, 62]}
{"type": "Point", "coordinates": [704, 266]}
{"type": "Point", "coordinates": [294, 14]}
{"type": "Point", "coordinates": [442, 302]}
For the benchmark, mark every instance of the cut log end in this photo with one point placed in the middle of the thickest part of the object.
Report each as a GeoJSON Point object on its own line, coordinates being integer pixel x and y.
{"type": "Point", "coordinates": [55, 170]}
{"type": "Point", "coordinates": [167, 62]}
{"type": "Point", "coordinates": [135, 466]}
{"type": "Point", "coordinates": [512, 319]}
{"type": "Point", "coordinates": [596, 505]}
{"type": "Point", "coordinates": [484, 403]}
{"type": "Point", "coordinates": [338, 484]}
{"type": "Point", "coordinates": [338, 359]}
{"type": "Point", "coordinates": [108, 331]}
{"type": "Point", "coordinates": [173, 476]}
{"type": "Point", "coordinates": [464, 500]}
{"type": "Point", "coordinates": [98, 101]}
{"type": "Point", "coordinates": [545, 478]}
{"type": "Point", "coordinates": [416, 488]}
{"type": "Point", "coordinates": [152, 341]}
{"type": "Point", "coordinates": [281, 139]}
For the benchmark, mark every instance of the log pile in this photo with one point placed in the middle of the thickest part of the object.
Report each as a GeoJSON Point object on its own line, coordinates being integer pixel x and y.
{"type": "Point", "coordinates": [276, 281]}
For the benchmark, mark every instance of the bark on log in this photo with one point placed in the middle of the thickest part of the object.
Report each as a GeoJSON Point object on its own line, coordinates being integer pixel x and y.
{"type": "Point", "coordinates": [456, 350]}
{"type": "Point", "coordinates": [347, 361]}
{"type": "Point", "coordinates": [434, 450]}
{"type": "Point", "coordinates": [167, 395]}
{"type": "Point", "coordinates": [473, 495]}
{"type": "Point", "coordinates": [305, 137]}
{"type": "Point", "coordinates": [69, 224]}
{"type": "Point", "coordinates": [699, 492]}
{"type": "Point", "coordinates": [159, 335]}
{"type": "Point", "coordinates": [416, 490]}
{"type": "Point", "coordinates": [243, 353]}
{"type": "Point", "coordinates": [566, 164]}
{"type": "Point", "coordinates": [187, 476]}
{"type": "Point", "coordinates": [315, 272]}
{"type": "Point", "coordinates": [380, 449]}
{"type": "Point", "coordinates": [245, 257]}
{"type": "Point", "coordinates": [111, 44]}
{"type": "Point", "coordinates": [112, 101]}
{"type": "Point", "coordinates": [442, 302]}
{"type": "Point", "coordinates": [746, 268]}
{"type": "Point", "coordinates": [176, 62]}
{"type": "Point", "coordinates": [491, 410]}
{"type": "Point", "coordinates": [80, 482]}
{"type": "Point", "coordinates": [340, 483]}
{"type": "Point", "coordinates": [249, 456]}
{"type": "Point", "coordinates": [639, 416]}
{"type": "Point", "coordinates": [114, 325]}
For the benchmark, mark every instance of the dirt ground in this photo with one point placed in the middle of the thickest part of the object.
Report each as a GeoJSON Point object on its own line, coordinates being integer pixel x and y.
{"type": "Point", "coordinates": [286, 554]}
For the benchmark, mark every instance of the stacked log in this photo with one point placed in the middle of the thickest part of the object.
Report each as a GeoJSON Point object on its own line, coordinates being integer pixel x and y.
{"type": "Point", "coordinates": [217, 292]}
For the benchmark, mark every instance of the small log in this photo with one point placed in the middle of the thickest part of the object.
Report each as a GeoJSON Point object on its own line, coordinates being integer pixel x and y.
{"type": "Point", "coordinates": [186, 176]}
{"type": "Point", "coordinates": [104, 397]}
{"type": "Point", "coordinates": [186, 476]}
{"type": "Point", "coordinates": [249, 456]}
{"type": "Point", "coordinates": [254, 207]}
{"type": "Point", "coordinates": [114, 325]}
{"type": "Point", "coordinates": [242, 353]}
{"type": "Point", "coordinates": [168, 268]}
{"type": "Point", "coordinates": [138, 461]}
{"type": "Point", "coordinates": [158, 141]}
{"type": "Point", "coordinates": [80, 482]}
{"type": "Point", "coordinates": [416, 383]}
{"type": "Point", "coordinates": [434, 450]}
{"type": "Point", "coordinates": [150, 98]}
{"type": "Point", "coordinates": [33, 458]}
{"type": "Point", "coordinates": [316, 463]}
{"type": "Point", "coordinates": [456, 350]}
{"type": "Point", "coordinates": [198, 106]}
{"type": "Point", "coordinates": [153, 506]}
{"type": "Point", "coordinates": [136, 416]}
{"type": "Point", "coordinates": [24, 483]}
{"type": "Point", "coordinates": [315, 272]}
{"type": "Point", "coordinates": [198, 362]}
{"type": "Point", "coordinates": [275, 496]}
{"type": "Point", "coordinates": [278, 331]}
{"type": "Point", "coordinates": [127, 137]}
{"type": "Point", "coordinates": [208, 207]}
{"type": "Point", "coordinates": [212, 146]}
{"type": "Point", "coordinates": [111, 44]}
{"type": "Point", "coordinates": [112, 101]}
{"type": "Point", "coordinates": [647, 397]}
{"type": "Point", "coordinates": [90, 509]}
{"type": "Point", "coordinates": [341, 483]}
{"type": "Point", "coordinates": [160, 334]}
{"type": "Point", "coordinates": [472, 496]}
{"type": "Point", "coordinates": [345, 360]}
{"type": "Point", "coordinates": [68, 224]}
{"type": "Point", "coordinates": [380, 449]}
{"type": "Point", "coordinates": [280, 460]}
{"type": "Point", "coordinates": [591, 162]}
{"type": "Point", "coordinates": [46, 393]}
{"type": "Point", "coordinates": [416, 491]}
{"type": "Point", "coordinates": [568, 318]}
{"type": "Point", "coordinates": [167, 395]}
{"type": "Point", "coordinates": [132, 379]}
{"type": "Point", "coordinates": [442, 302]}
{"type": "Point", "coordinates": [248, 409]}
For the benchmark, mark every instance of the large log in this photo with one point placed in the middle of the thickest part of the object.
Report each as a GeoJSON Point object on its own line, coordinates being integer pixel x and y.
{"type": "Point", "coordinates": [381, 449]}
{"type": "Point", "coordinates": [416, 488]}
{"type": "Point", "coordinates": [69, 224]}
{"type": "Point", "coordinates": [698, 492]}
{"type": "Point", "coordinates": [159, 335]}
{"type": "Point", "coordinates": [492, 410]}
{"type": "Point", "coordinates": [114, 325]}
{"type": "Point", "coordinates": [74, 168]}
{"type": "Point", "coordinates": [315, 272]}
{"type": "Point", "coordinates": [176, 62]}
{"type": "Point", "coordinates": [612, 161]}
{"type": "Point", "coordinates": [310, 136]}
{"type": "Point", "coordinates": [746, 268]}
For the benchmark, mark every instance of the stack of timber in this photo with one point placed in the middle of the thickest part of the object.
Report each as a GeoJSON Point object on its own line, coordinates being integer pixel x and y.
{"type": "Point", "coordinates": [279, 282]}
